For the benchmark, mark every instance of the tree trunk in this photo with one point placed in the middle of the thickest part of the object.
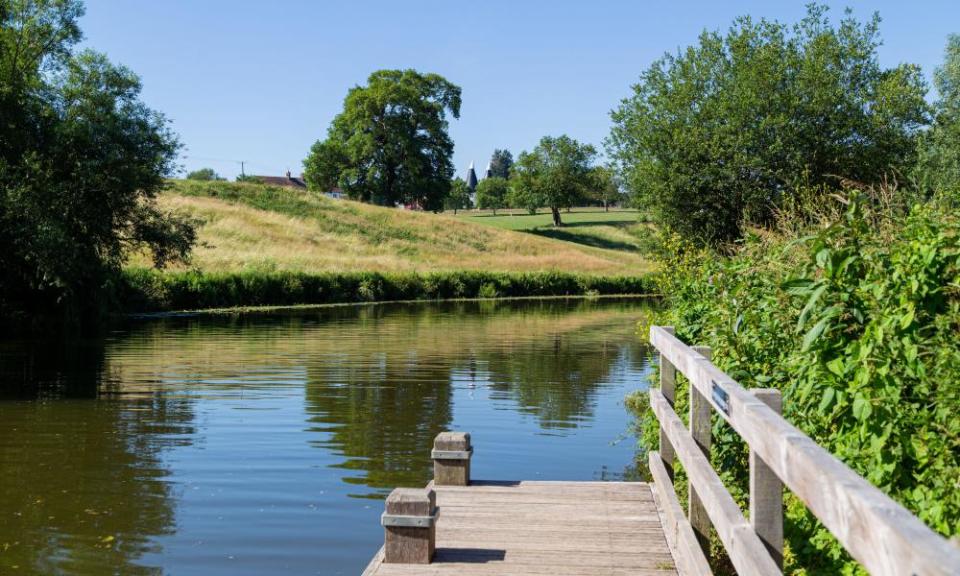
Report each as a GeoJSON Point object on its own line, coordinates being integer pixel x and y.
{"type": "Point", "coordinates": [556, 216]}
{"type": "Point", "coordinates": [606, 206]}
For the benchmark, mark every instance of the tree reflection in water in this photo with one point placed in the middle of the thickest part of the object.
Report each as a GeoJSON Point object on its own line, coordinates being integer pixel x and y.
{"type": "Point", "coordinates": [82, 487]}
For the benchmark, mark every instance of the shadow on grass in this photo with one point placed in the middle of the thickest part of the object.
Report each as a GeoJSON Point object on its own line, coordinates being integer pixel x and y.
{"type": "Point", "coordinates": [583, 239]}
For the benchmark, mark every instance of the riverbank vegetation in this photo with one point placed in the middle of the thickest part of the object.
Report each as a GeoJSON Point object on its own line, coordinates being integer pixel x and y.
{"type": "Point", "coordinates": [266, 245]}
{"type": "Point", "coordinates": [147, 290]}
{"type": "Point", "coordinates": [804, 268]}
{"type": "Point", "coordinates": [854, 319]}
{"type": "Point", "coordinates": [81, 162]}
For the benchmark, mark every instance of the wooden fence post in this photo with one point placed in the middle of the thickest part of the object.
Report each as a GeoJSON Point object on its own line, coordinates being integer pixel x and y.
{"type": "Point", "coordinates": [451, 459]}
{"type": "Point", "coordinates": [766, 489]}
{"type": "Point", "coordinates": [409, 526]}
{"type": "Point", "coordinates": [700, 430]}
{"type": "Point", "coordinates": [668, 387]}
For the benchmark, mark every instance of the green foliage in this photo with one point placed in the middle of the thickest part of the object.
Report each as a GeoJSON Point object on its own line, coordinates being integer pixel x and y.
{"type": "Point", "coordinates": [605, 188]}
{"type": "Point", "coordinates": [390, 144]}
{"type": "Point", "coordinates": [501, 163]}
{"type": "Point", "coordinates": [492, 194]}
{"type": "Point", "coordinates": [81, 160]}
{"type": "Point", "coordinates": [459, 196]}
{"type": "Point", "coordinates": [856, 323]}
{"type": "Point", "coordinates": [556, 174]}
{"type": "Point", "coordinates": [144, 290]}
{"type": "Point", "coordinates": [723, 132]}
{"type": "Point", "coordinates": [939, 165]}
{"type": "Point", "coordinates": [205, 174]}
{"type": "Point", "coordinates": [247, 178]}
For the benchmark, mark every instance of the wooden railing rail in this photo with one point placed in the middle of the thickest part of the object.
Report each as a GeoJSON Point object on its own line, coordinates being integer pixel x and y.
{"type": "Point", "coordinates": [879, 533]}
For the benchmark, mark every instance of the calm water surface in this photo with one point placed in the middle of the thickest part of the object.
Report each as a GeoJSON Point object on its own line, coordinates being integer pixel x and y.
{"type": "Point", "coordinates": [264, 444]}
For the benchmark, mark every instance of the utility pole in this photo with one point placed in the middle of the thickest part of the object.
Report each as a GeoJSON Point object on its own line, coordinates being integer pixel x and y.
{"type": "Point", "coordinates": [242, 174]}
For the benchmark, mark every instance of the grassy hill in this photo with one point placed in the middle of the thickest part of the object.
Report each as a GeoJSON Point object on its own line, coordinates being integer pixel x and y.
{"type": "Point", "coordinates": [256, 228]}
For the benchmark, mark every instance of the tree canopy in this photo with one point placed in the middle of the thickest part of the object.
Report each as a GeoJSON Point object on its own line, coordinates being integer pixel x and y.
{"type": "Point", "coordinates": [81, 161]}
{"type": "Point", "coordinates": [204, 174]}
{"type": "Point", "coordinates": [606, 187]}
{"type": "Point", "coordinates": [940, 150]}
{"type": "Point", "coordinates": [492, 193]}
{"type": "Point", "coordinates": [556, 174]}
{"type": "Point", "coordinates": [390, 144]}
{"type": "Point", "coordinates": [459, 196]}
{"type": "Point", "coordinates": [500, 164]}
{"type": "Point", "coordinates": [724, 131]}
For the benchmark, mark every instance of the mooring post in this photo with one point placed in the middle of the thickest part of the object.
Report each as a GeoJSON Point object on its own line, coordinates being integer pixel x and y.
{"type": "Point", "coordinates": [766, 489]}
{"type": "Point", "coordinates": [410, 526]}
{"type": "Point", "coordinates": [668, 387]}
{"type": "Point", "coordinates": [701, 431]}
{"type": "Point", "coordinates": [451, 459]}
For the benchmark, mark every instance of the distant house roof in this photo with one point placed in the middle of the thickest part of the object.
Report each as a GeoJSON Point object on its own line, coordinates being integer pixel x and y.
{"type": "Point", "coordinates": [288, 180]}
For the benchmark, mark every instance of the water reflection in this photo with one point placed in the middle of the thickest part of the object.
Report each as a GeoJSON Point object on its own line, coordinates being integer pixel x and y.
{"type": "Point", "coordinates": [82, 487]}
{"type": "Point", "coordinates": [252, 444]}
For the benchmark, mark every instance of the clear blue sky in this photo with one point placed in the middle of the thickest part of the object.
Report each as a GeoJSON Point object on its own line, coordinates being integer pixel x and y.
{"type": "Point", "coordinates": [260, 81]}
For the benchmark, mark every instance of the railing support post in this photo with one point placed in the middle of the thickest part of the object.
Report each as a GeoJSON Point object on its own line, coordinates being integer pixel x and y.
{"type": "Point", "coordinates": [451, 459]}
{"type": "Point", "coordinates": [701, 431]}
{"type": "Point", "coordinates": [766, 489]}
{"type": "Point", "coordinates": [409, 526]}
{"type": "Point", "coordinates": [668, 387]}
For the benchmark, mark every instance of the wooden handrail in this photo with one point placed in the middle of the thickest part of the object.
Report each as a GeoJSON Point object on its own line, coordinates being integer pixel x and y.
{"type": "Point", "coordinates": [746, 550]}
{"type": "Point", "coordinates": [879, 533]}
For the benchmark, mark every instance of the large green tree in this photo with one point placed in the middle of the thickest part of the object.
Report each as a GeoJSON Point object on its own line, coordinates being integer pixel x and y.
{"type": "Point", "coordinates": [940, 152]}
{"type": "Point", "coordinates": [390, 144]}
{"type": "Point", "coordinates": [81, 161]}
{"type": "Point", "coordinates": [722, 132]}
{"type": "Point", "coordinates": [556, 174]}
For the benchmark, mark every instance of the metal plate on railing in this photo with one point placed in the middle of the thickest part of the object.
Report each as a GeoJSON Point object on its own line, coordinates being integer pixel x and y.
{"type": "Point", "coordinates": [720, 397]}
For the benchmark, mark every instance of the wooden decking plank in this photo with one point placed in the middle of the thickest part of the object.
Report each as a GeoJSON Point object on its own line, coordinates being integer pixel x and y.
{"type": "Point", "coordinates": [542, 527]}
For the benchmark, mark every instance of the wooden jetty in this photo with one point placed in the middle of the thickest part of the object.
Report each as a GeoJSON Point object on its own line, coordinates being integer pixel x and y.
{"type": "Point", "coordinates": [472, 528]}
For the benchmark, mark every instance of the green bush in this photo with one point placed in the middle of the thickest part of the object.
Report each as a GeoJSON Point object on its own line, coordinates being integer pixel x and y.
{"type": "Point", "coordinates": [146, 290]}
{"type": "Point", "coordinates": [856, 324]}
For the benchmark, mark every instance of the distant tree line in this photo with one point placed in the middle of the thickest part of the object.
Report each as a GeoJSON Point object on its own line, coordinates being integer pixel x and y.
{"type": "Point", "coordinates": [390, 146]}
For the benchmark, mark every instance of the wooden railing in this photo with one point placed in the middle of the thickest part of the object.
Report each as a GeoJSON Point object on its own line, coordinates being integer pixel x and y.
{"type": "Point", "coordinates": [879, 533]}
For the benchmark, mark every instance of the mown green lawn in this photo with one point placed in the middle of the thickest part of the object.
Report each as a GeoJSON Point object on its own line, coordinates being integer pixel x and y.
{"type": "Point", "coordinates": [524, 222]}
{"type": "Point", "coordinates": [618, 229]}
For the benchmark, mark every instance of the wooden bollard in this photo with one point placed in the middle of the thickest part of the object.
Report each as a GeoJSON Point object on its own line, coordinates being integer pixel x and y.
{"type": "Point", "coordinates": [410, 526]}
{"type": "Point", "coordinates": [451, 459]}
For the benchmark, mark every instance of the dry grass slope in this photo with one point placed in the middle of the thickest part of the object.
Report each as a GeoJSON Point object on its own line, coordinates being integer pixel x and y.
{"type": "Point", "coordinates": [250, 227]}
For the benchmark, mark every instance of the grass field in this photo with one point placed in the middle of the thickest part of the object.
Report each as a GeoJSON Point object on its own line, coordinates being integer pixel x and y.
{"type": "Point", "coordinates": [616, 230]}
{"type": "Point", "coordinates": [252, 227]}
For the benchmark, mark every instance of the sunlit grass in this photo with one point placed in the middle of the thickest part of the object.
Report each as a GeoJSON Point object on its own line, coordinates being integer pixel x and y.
{"type": "Point", "coordinates": [261, 228]}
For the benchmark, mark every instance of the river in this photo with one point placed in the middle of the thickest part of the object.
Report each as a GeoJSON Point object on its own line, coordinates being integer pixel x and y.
{"type": "Point", "coordinates": [265, 443]}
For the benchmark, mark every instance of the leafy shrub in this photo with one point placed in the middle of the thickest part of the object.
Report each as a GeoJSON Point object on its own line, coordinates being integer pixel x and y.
{"type": "Point", "coordinates": [856, 324]}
